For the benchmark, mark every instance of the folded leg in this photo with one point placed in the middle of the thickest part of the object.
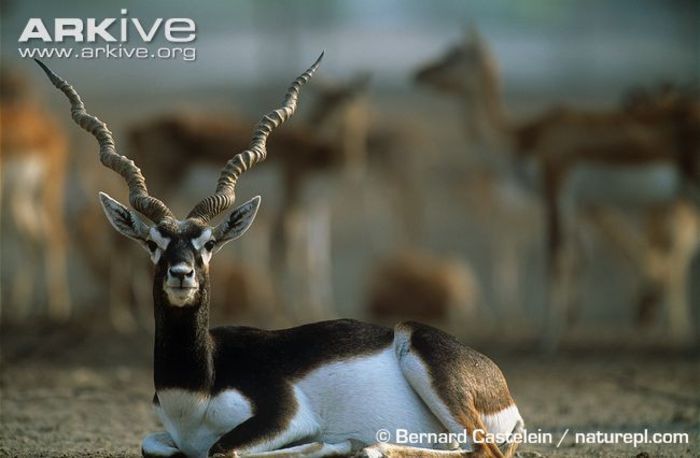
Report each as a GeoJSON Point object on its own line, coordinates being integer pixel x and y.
{"type": "Point", "coordinates": [401, 451]}
{"type": "Point", "coordinates": [160, 445]}
{"type": "Point", "coordinates": [311, 450]}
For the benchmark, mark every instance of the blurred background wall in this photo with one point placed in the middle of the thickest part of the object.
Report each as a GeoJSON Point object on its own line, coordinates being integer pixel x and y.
{"type": "Point", "coordinates": [397, 209]}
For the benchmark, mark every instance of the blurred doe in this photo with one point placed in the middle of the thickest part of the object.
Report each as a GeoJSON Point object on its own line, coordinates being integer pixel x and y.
{"type": "Point", "coordinates": [489, 186]}
{"type": "Point", "coordinates": [643, 157]}
{"type": "Point", "coordinates": [34, 157]}
{"type": "Point", "coordinates": [413, 284]}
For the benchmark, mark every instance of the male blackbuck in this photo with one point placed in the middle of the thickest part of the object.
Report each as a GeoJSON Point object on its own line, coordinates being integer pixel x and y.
{"type": "Point", "coordinates": [316, 390]}
{"type": "Point", "coordinates": [34, 154]}
{"type": "Point", "coordinates": [641, 158]}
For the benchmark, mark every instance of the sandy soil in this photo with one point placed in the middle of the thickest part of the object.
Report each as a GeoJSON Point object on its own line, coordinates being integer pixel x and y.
{"type": "Point", "coordinates": [74, 393]}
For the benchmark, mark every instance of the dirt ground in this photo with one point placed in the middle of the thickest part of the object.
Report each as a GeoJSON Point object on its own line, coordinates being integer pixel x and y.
{"type": "Point", "coordinates": [76, 393]}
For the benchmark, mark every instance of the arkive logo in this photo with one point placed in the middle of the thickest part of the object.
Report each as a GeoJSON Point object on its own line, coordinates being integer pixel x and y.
{"type": "Point", "coordinates": [109, 30]}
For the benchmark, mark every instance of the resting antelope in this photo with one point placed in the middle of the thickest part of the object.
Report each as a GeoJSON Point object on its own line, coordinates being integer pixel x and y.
{"type": "Point", "coordinates": [315, 390]}
{"type": "Point", "coordinates": [641, 159]}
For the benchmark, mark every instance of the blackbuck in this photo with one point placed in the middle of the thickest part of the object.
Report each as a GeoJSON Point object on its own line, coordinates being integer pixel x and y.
{"type": "Point", "coordinates": [642, 159]}
{"type": "Point", "coordinates": [34, 154]}
{"type": "Point", "coordinates": [316, 390]}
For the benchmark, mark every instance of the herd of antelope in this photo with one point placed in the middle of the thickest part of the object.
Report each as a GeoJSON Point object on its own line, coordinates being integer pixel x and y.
{"type": "Point", "coordinates": [630, 174]}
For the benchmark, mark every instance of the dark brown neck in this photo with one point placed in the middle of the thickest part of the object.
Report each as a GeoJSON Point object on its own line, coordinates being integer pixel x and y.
{"type": "Point", "coordinates": [182, 354]}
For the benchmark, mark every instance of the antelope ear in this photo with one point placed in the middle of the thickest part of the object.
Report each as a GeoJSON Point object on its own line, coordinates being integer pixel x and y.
{"type": "Point", "coordinates": [238, 222]}
{"type": "Point", "coordinates": [125, 221]}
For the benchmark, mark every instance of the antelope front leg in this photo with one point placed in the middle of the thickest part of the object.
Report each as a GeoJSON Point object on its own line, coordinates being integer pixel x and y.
{"type": "Point", "coordinates": [159, 445]}
{"type": "Point", "coordinates": [257, 435]}
{"type": "Point", "coordinates": [280, 419]}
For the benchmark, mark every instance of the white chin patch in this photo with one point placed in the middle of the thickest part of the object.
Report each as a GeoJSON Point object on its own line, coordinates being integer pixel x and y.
{"type": "Point", "coordinates": [180, 297]}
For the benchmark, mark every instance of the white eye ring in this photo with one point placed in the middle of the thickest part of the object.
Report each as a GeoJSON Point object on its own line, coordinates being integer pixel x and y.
{"type": "Point", "coordinates": [203, 239]}
{"type": "Point", "coordinates": [157, 238]}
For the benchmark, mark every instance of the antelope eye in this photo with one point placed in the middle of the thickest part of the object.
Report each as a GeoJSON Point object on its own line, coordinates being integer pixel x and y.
{"type": "Point", "coordinates": [151, 245]}
{"type": "Point", "coordinates": [209, 245]}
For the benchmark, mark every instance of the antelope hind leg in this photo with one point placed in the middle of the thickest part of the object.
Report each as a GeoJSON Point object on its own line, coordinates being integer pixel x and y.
{"type": "Point", "coordinates": [464, 389]}
{"type": "Point", "coordinates": [310, 450]}
{"type": "Point", "coordinates": [401, 451]}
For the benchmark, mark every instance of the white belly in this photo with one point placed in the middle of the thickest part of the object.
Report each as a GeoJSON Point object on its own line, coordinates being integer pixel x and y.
{"type": "Point", "coordinates": [355, 398]}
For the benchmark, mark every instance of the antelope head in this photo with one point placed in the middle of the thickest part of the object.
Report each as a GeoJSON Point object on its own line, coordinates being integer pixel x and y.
{"type": "Point", "coordinates": [468, 71]}
{"type": "Point", "coordinates": [181, 249]}
{"type": "Point", "coordinates": [462, 70]}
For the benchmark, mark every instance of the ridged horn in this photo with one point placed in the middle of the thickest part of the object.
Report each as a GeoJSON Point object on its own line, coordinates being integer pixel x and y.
{"type": "Point", "coordinates": [140, 200]}
{"type": "Point", "coordinates": [225, 193]}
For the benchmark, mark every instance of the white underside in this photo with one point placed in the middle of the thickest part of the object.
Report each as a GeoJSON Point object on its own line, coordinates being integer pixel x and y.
{"type": "Point", "coordinates": [355, 398]}
{"type": "Point", "coordinates": [348, 399]}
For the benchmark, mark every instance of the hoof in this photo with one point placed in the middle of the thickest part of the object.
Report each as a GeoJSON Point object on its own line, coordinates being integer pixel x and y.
{"type": "Point", "coordinates": [528, 455]}
{"type": "Point", "coordinates": [374, 451]}
{"type": "Point", "coordinates": [145, 454]}
{"type": "Point", "coordinates": [231, 454]}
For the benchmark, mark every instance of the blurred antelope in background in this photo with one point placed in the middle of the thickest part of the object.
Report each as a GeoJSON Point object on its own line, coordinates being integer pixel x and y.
{"type": "Point", "coordinates": [491, 189]}
{"type": "Point", "coordinates": [415, 284]}
{"type": "Point", "coordinates": [643, 158]}
{"type": "Point", "coordinates": [34, 159]}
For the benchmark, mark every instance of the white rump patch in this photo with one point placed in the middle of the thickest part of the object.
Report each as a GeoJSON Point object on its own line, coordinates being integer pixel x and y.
{"type": "Point", "coordinates": [505, 421]}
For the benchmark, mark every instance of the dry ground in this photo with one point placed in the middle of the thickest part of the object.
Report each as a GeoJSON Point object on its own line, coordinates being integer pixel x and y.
{"type": "Point", "coordinates": [77, 393]}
